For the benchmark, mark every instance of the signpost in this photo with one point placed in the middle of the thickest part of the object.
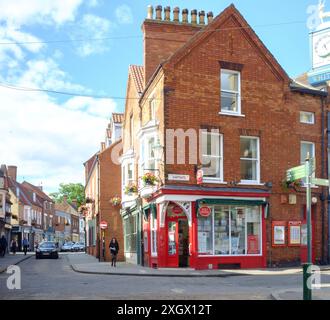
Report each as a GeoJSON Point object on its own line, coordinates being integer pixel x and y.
{"type": "Point", "coordinates": [306, 171]}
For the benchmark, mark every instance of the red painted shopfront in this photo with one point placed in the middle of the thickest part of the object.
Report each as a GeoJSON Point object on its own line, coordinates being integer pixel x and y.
{"type": "Point", "coordinates": [206, 230]}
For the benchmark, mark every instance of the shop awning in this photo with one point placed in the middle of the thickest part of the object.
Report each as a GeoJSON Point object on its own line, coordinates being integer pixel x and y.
{"type": "Point", "coordinates": [231, 202]}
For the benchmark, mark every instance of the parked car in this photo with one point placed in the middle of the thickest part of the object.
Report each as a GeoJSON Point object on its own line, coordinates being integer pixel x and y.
{"type": "Point", "coordinates": [67, 246]}
{"type": "Point", "coordinates": [47, 249]}
{"type": "Point", "coordinates": [78, 246]}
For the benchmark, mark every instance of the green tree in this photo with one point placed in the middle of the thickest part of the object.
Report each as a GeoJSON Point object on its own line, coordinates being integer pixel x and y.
{"type": "Point", "coordinates": [73, 191]}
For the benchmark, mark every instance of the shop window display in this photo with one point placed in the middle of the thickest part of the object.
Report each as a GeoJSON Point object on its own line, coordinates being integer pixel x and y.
{"type": "Point", "coordinates": [230, 231]}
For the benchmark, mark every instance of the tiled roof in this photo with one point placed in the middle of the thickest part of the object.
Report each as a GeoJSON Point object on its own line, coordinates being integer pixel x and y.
{"type": "Point", "coordinates": [14, 186]}
{"type": "Point", "coordinates": [37, 190]}
{"type": "Point", "coordinates": [117, 117]}
{"type": "Point", "coordinates": [137, 73]}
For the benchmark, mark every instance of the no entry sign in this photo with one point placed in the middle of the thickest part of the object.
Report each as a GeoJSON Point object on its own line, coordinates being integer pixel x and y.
{"type": "Point", "coordinates": [103, 225]}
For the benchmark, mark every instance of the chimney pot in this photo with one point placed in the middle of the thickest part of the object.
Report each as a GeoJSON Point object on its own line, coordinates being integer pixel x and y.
{"type": "Point", "coordinates": [210, 17]}
{"type": "Point", "coordinates": [202, 17]}
{"type": "Point", "coordinates": [150, 12]}
{"type": "Point", "coordinates": [185, 15]}
{"type": "Point", "coordinates": [194, 16]}
{"type": "Point", "coordinates": [167, 11]}
{"type": "Point", "coordinates": [159, 12]}
{"type": "Point", "coordinates": [176, 12]}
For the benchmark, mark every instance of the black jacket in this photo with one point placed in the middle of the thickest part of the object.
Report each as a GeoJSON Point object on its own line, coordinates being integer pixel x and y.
{"type": "Point", "coordinates": [114, 247]}
{"type": "Point", "coordinates": [3, 242]}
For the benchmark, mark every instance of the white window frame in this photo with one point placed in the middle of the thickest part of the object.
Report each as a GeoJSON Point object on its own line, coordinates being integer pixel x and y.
{"type": "Point", "coordinates": [153, 229]}
{"type": "Point", "coordinates": [125, 178]}
{"type": "Point", "coordinates": [312, 156]}
{"type": "Point", "coordinates": [238, 93]}
{"type": "Point", "coordinates": [252, 182]}
{"type": "Point", "coordinates": [210, 179]}
{"type": "Point", "coordinates": [309, 113]}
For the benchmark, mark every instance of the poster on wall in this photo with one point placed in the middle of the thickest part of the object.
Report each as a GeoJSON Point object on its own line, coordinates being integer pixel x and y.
{"type": "Point", "coordinates": [294, 233]}
{"type": "Point", "coordinates": [253, 244]}
{"type": "Point", "coordinates": [279, 233]}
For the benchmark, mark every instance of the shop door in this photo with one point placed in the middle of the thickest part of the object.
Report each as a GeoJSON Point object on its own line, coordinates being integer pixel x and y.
{"type": "Point", "coordinates": [183, 235]}
{"type": "Point", "coordinates": [172, 244]}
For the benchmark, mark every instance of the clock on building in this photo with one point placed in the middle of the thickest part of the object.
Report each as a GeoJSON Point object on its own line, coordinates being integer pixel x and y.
{"type": "Point", "coordinates": [321, 48]}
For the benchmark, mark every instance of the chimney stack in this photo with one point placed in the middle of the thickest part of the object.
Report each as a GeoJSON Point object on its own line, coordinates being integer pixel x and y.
{"type": "Point", "coordinates": [159, 12]}
{"type": "Point", "coordinates": [194, 16]}
{"type": "Point", "coordinates": [167, 11]}
{"type": "Point", "coordinates": [102, 146]}
{"type": "Point", "coordinates": [12, 172]}
{"type": "Point", "coordinates": [185, 15]}
{"type": "Point", "coordinates": [150, 12]}
{"type": "Point", "coordinates": [202, 17]}
{"type": "Point", "coordinates": [210, 17]}
{"type": "Point", "coordinates": [176, 13]}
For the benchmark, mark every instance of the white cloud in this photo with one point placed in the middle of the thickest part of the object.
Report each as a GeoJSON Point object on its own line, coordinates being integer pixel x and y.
{"type": "Point", "coordinates": [97, 107]}
{"type": "Point", "coordinates": [47, 141]}
{"type": "Point", "coordinates": [92, 27]}
{"type": "Point", "coordinates": [46, 74]}
{"type": "Point", "coordinates": [124, 14]}
{"type": "Point", "coordinates": [93, 3]}
{"type": "Point", "coordinates": [22, 12]}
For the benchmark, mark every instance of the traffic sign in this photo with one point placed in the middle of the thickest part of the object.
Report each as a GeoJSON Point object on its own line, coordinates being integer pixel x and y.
{"type": "Point", "coordinates": [296, 173]}
{"type": "Point", "coordinates": [103, 225]}
{"type": "Point", "coordinates": [320, 182]}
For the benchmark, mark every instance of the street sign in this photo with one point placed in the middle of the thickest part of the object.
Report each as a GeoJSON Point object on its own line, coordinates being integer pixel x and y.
{"type": "Point", "coordinates": [103, 225]}
{"type": "Point", "coordinates": [320, 182]}
{"type": "Point", "coordinates": [296, 173]}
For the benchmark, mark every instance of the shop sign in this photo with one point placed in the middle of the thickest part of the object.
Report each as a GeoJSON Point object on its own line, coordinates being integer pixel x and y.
{"type": "Point", "coordinates": [205, 211]}
{"type": "Point", "coordinates": [199, 176]}
{"type": "Point", "coordinates": [177, 210]}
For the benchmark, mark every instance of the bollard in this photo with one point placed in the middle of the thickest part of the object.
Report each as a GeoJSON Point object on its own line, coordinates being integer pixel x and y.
{"type": "Point", "coordinates": [306, 276]}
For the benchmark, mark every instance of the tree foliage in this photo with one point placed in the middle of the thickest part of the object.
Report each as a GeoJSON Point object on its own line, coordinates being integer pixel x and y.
{"type": "Point", "coordinates": [73, 191]}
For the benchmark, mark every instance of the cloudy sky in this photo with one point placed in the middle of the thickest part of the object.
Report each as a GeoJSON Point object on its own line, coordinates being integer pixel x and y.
{"type": "Point", "coordinates": [84, 47]}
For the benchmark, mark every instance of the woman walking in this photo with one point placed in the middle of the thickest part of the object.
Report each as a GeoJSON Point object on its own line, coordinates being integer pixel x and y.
{"type": "Point", "coordinates": [114, 248]}
{"type": "Point", "coordinates": [14, 246]}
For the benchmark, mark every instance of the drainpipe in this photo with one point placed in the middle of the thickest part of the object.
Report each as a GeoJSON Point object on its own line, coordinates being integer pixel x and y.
{"type": "Point", "coordinates": [323, 174]}
{"type": "Point", "coordinates": [328, 149]}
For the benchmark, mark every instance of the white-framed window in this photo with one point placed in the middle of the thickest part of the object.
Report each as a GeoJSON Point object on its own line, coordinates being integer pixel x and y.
{"type": "Point", "coordinates": [212, 156]}
{"type": "Point", "coordinates": [305, 148]}
{"type": "Point", "coordinates": [230, 92]}
{"type": "Point", "coordinates": [153, 235]}
{"type": "Point", "coordinates": [230, 231]}
{"type": "Point", "coordinates": [307, 117]}
{"type": "Point", "coordinates": [250, 160]}
{"type": "Point", "coordinates": [128, 174]}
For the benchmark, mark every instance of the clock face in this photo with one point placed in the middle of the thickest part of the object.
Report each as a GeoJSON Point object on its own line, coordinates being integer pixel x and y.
{"type": "Point", "coordinates": [322, 46]}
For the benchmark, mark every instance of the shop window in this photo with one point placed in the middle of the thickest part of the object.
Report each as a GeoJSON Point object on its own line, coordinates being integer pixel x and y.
{"type": "Point", "coordinates": [230, 92]}
{"type": "Point", "coordinates": [171, 238]}
{"type": "Point", "coordinates": [235, 230]}
{"type": "Point", "coordinates": [153, 232]}
{"type": "Point", "coordinates": [212, 159]}
{"type": "Point", "coordinates": [250, 160]}
{"type": "Point", "coordinates": [130, 234]}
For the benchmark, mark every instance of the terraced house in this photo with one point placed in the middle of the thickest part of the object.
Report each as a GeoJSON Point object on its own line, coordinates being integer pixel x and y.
{"type": "Point", "coordinates": [212, 122]}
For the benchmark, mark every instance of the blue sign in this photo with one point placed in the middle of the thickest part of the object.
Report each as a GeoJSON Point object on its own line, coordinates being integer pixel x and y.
{"type": "Point", "coordinates": [319, 78]}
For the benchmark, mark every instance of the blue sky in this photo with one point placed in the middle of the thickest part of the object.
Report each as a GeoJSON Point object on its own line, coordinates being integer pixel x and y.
{"type": "Point", "coordinates": [50, 136]}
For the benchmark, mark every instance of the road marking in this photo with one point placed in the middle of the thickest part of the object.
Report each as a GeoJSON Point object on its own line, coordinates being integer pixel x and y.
{"type": "Point", "coordinates": [177, 290]}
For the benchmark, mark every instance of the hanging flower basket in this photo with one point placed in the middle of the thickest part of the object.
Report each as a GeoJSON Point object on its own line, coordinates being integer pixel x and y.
{"type": "Point", "coordinates": [287, 185]}
{"type": "Point", "coordinates": [149, 179]}
{"type": "Point", "coordinates": [115, 201]}
{"type": "Point", "coordinates": [132, 188]}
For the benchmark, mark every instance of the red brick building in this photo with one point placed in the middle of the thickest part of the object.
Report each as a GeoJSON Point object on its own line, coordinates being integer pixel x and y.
{"type": "Point", "coordinates": [103, 181]}
{"type": "Point", "coordinates": [212, 100]}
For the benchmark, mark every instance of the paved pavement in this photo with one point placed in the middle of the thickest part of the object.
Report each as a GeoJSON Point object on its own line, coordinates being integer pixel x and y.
{"type": "Point", "coordinates": [55, 279]}
{"type": "Point", "coordinates": [10, 259]}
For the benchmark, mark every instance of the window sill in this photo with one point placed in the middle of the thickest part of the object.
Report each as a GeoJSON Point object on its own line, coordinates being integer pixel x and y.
{"type": "Point", "coordinates": [252, 183]}
{"type": "Point", "coordinates": [232, 114]}
{"type": "Point", "coordinates": [214, 181]}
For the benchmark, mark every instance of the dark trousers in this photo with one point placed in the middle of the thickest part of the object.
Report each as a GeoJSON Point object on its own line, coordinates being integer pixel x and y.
{"type": "Point", "coordinates": [113, 259]}
{"type": "Point", "coordinates": [2, 251]}
{"type": "Point", "coordinates": [25, 249]}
